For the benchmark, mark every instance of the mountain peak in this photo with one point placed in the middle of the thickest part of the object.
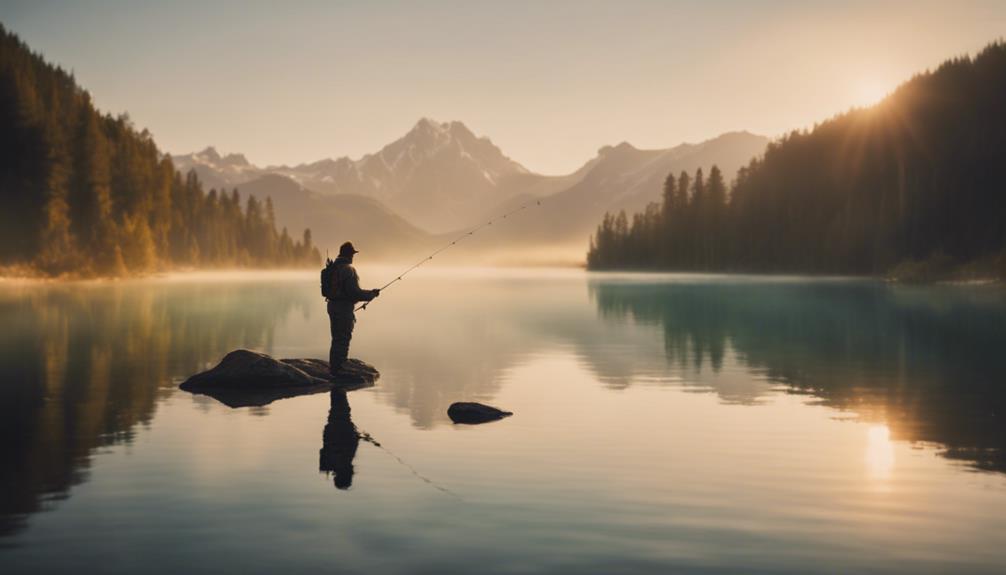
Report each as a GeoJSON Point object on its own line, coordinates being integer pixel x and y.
{"type": "Point", "coordinates": [429, 124]}
{"type": "Point", "coordinates": [621, 148]}
{"type": "Point", "coordinates": [453, 128]}
{"type": "Point", "coordinates": [236, 160]}
{"type": "Point", "coordinates": [429, 138]}
{"type": "Point", "coordinates": [209, 153]}
{"type": "Point", "coordinates": [459, 129]}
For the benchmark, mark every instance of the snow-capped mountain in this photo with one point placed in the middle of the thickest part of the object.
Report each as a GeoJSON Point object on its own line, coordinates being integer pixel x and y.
{"type": "Point", "coordinates": [438, 175]}
{"type": "Point", "coordinates": [217, 171]}
{"type": "Point", "coordinates": [442, 178]}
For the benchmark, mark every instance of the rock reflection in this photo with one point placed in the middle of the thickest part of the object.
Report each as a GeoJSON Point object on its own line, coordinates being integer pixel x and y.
{"type": "Point", "coordinates": [84, 364]}
{"type": "Point", "coordinates": [924, 361]}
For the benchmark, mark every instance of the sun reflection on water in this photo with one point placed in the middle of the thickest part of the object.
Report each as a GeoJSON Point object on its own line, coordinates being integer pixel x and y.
{"type": "Point", "coordinates": [879, 452]}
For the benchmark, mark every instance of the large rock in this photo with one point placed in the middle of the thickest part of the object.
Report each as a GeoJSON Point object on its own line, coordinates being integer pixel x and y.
{"type": "Point", "coordinates": [468, 412]}
{"type": "Point", "coordinates": [353, 372]}
{"type": "Point", "coordinates": [246, 378]}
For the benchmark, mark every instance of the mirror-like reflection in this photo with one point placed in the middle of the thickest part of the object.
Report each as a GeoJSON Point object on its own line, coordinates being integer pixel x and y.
{"type": "Point", "coordinates": [922, 360]}
{"type": "Point", "coordinates": [925, 361]}
{"type": "Point", "coordinates": [87, 365]}
{"type": "Point", "coordinates": [84, 364]}
{"type": "Point", "coordinates": [340, 439]}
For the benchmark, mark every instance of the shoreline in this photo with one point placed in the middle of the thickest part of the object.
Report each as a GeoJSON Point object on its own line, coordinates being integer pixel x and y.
{"type": "Point", "coordinates": [194, 274]}
{"type": "Point", "coordinates": [31, 277]}
{"type": "Point", "coordinates": [948, 280]}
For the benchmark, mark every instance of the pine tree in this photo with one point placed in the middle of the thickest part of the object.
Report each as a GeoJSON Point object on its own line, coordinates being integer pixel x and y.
{"type": "Point", "coordinates": [716, 207]}
{"type": "Point", "coordinates": [57, 253]}
{"type": "Point", "coordinates": [96, 226]}
{"type": "Point", "coordinates": [670, 215]}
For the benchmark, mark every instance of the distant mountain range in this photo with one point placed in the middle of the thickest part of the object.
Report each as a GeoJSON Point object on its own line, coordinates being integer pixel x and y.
{"type": "Point", "coordinates": [619, 177]}
{"type": "Point", "coordinates": [335, 218]}
{"type": "Point", "coordinates": [436, 175]}
{"type": "Point", "coordinates": [440, 178]}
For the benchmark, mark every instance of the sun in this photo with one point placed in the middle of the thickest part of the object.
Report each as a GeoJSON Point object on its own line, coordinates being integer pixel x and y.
{"type": "Point", "coordinates": [868, 93]}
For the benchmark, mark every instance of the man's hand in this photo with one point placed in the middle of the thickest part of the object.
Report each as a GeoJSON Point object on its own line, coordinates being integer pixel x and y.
{"type": "Point", "coordinates": [377, 292]}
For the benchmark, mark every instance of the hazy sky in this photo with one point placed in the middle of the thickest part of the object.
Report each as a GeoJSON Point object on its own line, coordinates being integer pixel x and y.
{"type": "Point", "coordinates": [549, 82]}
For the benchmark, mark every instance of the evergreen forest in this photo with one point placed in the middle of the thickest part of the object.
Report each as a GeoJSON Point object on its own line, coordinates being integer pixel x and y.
{"type": "Point", "coordinates": [87, 194]}
{"type": "Point", "coordinates": [913, 187]}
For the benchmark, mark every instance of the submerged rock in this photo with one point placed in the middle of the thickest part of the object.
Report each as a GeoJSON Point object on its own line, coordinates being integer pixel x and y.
{"type": "Point", "coordinates": [469, 412]}
{"type": "Point", "coordinates": [245, 378]}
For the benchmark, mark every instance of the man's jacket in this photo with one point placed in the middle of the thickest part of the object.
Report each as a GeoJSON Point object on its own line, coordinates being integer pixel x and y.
{"type": "Point", "coordinates": [345, 288]}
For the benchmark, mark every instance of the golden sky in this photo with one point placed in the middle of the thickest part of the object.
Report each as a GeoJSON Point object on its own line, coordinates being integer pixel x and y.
{"type": "Point", "coordinates": [549, 82]}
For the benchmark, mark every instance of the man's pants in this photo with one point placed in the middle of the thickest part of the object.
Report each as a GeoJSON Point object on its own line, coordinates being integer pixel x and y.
{"type": "Point", "coordinates": [342, 320]}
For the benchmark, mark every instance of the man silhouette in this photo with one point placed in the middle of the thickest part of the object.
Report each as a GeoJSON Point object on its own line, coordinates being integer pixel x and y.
{"type": "Point", "coordinates": [345, 293]}
{"type": "Point", "coordinates": [340, 440]}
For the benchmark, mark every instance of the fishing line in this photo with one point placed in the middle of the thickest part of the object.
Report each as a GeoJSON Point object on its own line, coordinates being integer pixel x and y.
{"type": "Point", "coordinates": [459, 239]}
{"type": "Point", "coordinates": [364, 436]}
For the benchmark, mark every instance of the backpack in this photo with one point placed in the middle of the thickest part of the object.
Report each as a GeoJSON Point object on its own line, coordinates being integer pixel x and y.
{"type": "Point", "coordinates": [326, 279]}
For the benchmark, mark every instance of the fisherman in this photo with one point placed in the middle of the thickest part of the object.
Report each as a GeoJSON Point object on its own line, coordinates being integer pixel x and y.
{"type": "Point", "coordinates": [344, 293]}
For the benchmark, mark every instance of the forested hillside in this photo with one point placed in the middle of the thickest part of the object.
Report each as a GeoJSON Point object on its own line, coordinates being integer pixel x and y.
{"type": "Point", "coordinates": [85, 193]}
{"type": "Point", "coordinates": [914, 184]}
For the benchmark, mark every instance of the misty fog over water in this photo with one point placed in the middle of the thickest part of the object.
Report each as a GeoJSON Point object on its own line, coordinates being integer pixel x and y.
{"type": "Point", "coordinates": [662, 422]}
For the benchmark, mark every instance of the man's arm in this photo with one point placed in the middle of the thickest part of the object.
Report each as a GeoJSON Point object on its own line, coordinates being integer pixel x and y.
{"type": "Point", "coordinates": [353, 291]}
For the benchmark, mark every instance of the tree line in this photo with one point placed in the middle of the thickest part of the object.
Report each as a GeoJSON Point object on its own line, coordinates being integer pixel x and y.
{"type": "Point", "coordinates": [916, 180]}
{"type": "Point", "coordinates": [86, 193]}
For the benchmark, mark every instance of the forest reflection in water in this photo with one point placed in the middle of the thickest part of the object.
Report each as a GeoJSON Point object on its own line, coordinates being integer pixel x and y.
{"type": "Point", "coordinates": [925, 362]}
{"type": "Point", "coordinates": [84, 364]}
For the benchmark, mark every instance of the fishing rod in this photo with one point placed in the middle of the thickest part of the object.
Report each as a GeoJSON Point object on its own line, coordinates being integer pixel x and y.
{"type": "Point", "coordinates": [460, 238]}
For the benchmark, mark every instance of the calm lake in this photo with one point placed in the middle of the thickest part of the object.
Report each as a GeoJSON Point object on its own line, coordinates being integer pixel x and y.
{"type": "Point", "coordinates": [663, 423]}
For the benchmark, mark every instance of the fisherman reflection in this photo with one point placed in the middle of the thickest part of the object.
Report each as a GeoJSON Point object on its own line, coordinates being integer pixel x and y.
{"type": "Point", "coordinates": [340, 440]}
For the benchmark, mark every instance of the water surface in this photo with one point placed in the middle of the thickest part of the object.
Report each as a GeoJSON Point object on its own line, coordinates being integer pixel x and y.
{"type": "Point", "coordinates": [664, 423]}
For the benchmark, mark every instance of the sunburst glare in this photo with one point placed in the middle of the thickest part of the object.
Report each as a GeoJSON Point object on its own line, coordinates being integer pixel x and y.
{"type": "Point", "coordinates": [869, 92]}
